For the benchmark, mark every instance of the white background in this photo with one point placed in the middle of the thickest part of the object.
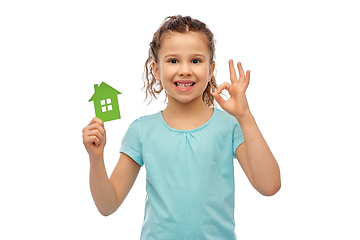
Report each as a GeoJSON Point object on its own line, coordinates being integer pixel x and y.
{"type": "Point", "coordinates": [304, 94]}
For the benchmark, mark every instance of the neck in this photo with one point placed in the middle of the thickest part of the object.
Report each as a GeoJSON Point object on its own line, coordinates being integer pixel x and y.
{"type": "Point", "coordinates": [193, 108]}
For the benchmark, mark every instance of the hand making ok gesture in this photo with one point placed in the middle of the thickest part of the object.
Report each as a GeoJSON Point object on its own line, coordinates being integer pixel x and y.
{"type": "Point", "coordinates": [237, 104]}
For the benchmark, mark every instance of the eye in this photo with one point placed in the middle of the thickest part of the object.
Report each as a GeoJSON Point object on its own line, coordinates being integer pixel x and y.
{"type": "Point", "coordinates": [173, 61]}
{"type": "Point", "coordinates": [196, 61]}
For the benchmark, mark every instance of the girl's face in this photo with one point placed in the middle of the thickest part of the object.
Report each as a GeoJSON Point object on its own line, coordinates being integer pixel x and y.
{"type": "Point", "coordinates": [184, 66]}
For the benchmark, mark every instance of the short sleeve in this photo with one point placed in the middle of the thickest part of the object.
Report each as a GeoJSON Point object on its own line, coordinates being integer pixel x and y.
{"type": "Point", "coordinates": [131, 143]}
{"type": "Point", "coordinates": [238, 137]}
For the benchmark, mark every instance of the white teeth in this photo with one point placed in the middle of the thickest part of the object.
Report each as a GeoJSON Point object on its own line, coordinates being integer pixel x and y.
{"type": "Point", "coordinates": [181, 85]}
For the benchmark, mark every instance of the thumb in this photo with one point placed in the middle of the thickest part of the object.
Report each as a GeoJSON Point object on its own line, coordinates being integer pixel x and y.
{"type": "Point", "coordinates": [219, 99]}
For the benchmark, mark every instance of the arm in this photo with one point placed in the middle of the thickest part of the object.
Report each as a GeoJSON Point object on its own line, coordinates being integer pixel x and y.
{"type": "Point", "coordinates": [108, 194]}
{"type": "Point", "coordinates": [256, 159]}
{"type": "Point", "coordinates": [254, 154]}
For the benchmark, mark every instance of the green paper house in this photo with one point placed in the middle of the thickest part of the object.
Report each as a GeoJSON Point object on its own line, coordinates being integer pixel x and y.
{"type": "Point", "coordinates": [106, 102]}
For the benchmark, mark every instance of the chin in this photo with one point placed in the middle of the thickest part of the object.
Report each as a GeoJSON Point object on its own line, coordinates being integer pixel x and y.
{"type": "Point", "coordinates": [184, 98]}
{"type": "Point", "coordinates": [188, 100]}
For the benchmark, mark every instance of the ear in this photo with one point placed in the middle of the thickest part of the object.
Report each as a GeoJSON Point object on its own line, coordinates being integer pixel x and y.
{"type": "Point", "coordinates": [155, 70]}
{"type": "Point", "coordinates": [211, 70]}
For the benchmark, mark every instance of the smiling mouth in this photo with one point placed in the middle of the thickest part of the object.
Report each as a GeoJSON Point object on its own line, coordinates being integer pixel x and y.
{"type": "Point", "coordinates": [184, 85]}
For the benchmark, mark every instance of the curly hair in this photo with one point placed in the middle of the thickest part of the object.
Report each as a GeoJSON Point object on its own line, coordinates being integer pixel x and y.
{"type": "Point", "coordinates": [179, 24]}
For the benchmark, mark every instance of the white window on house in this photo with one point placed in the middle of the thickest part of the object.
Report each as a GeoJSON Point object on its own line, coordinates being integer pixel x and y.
{"type": "Point", "coordinates": [106, 105]}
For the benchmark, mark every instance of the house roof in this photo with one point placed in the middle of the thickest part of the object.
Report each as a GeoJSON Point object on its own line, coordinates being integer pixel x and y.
{"type": "Point", "coordinates": [103, 91]}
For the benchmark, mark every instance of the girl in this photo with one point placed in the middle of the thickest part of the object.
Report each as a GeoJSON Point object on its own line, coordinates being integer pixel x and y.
{"type": "Point", "coordinates": [188, 148]}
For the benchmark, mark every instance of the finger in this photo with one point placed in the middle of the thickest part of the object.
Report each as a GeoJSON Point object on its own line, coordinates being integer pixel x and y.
{"type": "Point", "coordinates": [241, 70]}
{"type": "Point", "coordinates": [96, 120]}
{"type": "Point", "coordinates": [96, 141]}
{"type": "Point", "coordinates": [99, 128]}
{"type": "Point", "coordinates": [233, 76]}
{"type": "Point", "coordinates": [96, 126]}
{"type": "Point", "coordinates": [223, 86]}
{"type": "Point", "coordinates": [96, 133]}
{"type": "Point", "coordinates": [92, 136]}
{"type": "Point", "coordinates": [248, 76]}
{"type": "Point", "coordinates": [246, 80]}
{"type": "Point", "coordinates": [89, 140]}
{"type": "Point", "coordinates": [219, 99]}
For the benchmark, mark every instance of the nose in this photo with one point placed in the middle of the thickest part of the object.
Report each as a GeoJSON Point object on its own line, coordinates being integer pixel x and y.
{"type": "Point", "coordinates": [185, 69]}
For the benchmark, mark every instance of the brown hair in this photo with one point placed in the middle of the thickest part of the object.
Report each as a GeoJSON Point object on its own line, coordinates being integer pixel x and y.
{"type": "Point", "coordinates": [179, 24]}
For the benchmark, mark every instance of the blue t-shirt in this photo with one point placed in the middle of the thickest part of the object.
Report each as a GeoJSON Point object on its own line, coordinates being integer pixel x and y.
{"type": "Point", "coordinates": [189, 176]}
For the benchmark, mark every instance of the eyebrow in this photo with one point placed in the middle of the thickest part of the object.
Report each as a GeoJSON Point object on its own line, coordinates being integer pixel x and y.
{"type": "Point", "coordinates": [199, 54]}
{"type": "Point", "coordinates": [176, 55]}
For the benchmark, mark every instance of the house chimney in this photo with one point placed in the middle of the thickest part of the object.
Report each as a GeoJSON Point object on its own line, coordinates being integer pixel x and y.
{"type": "Point", "coordinates": [95, 87]}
